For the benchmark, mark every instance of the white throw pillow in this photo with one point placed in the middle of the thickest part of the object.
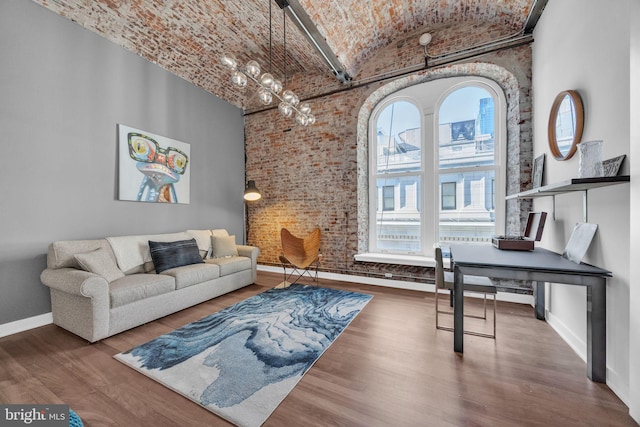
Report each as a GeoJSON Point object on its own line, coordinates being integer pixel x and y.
{"type": "Point", "coordinates": [99, 262]}
{"type": "Point", "coordinates": [223, 246]}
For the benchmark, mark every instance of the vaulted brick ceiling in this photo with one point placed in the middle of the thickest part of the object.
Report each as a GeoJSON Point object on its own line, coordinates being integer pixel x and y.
{"type": "Point", "coordinates": [187, 37]}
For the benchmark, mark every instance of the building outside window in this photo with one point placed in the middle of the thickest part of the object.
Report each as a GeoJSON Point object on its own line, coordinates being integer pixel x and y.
{"type": "Point", "coordinates": [448, 190]}
{"type": "Point", "coordinates": [388, 198]}
{"type": "Point", "coordinates": [437, 166]}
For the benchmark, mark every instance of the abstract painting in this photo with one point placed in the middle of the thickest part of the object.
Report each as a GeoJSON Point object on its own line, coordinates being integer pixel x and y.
{"type": "Point", "coordinates": [152, 168]}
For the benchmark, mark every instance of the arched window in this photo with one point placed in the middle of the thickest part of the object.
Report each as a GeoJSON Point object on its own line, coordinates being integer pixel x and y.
{"type": "Point", "coordinates": [437, 166]}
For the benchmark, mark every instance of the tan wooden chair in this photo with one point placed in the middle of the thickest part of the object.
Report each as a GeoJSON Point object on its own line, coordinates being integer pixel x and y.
{"type": "Point", "coordinates": [300, 254]}
{"type": "Point", "coordinates": [444, 280]}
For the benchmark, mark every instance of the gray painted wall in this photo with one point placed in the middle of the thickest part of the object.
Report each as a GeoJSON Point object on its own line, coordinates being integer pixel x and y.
{"type": "Point", "coordinates": [63, 90]}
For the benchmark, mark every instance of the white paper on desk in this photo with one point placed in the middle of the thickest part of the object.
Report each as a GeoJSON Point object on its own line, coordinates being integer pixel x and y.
{"type": "Point", "coordinates": [579, 241]}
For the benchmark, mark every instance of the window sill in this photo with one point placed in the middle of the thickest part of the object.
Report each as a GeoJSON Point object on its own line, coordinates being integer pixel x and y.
{"type": "Point", "coordinates": [417, 260]}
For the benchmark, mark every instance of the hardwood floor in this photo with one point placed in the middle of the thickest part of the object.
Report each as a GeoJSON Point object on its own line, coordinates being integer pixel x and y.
{"type": "Point", "coordinates": [390, 367]}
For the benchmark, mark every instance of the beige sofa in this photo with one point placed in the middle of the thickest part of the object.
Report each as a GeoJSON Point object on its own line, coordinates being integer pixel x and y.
{"type": "Point", "coordinates": [124, 291]}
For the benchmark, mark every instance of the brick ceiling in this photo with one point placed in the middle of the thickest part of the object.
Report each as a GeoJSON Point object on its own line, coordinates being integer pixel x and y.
{"type": "Point", "coordinates": [187, 37]}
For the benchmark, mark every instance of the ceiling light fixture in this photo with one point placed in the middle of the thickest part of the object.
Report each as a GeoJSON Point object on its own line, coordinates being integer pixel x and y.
{"type": "Point", "coordinates": [424, 41]}
{"type": "Point", "coordinates": [269, 87]}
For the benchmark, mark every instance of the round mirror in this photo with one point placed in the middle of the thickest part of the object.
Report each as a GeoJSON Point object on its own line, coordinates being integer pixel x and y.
{"type": "Point", "coordinates": [565, 124]}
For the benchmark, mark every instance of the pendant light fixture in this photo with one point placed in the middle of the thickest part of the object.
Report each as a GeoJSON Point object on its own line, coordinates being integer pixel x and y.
{"type": "Point", "coordinates": [268, 86]}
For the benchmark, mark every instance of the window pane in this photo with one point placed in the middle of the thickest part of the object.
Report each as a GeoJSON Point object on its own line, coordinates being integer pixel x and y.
{"type": "Point", "coordinates": [474, 221]}
{"type": "Point", "coordinates": [387, 198]}
{"type": "Point", "coordinates": [398, 138]}
{"type": "Point", "coordinates": [399, 229]}
{"type": "Point", "coordinates": [466, 129]}
{"type": "Point", "coordinates": [448, 195]}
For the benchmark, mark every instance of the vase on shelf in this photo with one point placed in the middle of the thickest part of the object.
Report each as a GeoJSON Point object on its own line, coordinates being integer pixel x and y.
{"type": "Point", "coordinates": [590, 159]}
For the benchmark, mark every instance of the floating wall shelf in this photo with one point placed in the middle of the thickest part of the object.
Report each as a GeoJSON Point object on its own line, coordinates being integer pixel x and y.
{"type": "Point", "coordinates": [570, 186]}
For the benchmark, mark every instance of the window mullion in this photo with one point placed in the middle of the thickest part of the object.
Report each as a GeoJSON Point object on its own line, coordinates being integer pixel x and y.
{"type": "Point", "coordinates": [429, 201]}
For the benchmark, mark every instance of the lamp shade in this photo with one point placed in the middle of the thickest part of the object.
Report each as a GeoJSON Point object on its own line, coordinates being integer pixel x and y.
{"type": "Point", "coordinates": [251, 193]}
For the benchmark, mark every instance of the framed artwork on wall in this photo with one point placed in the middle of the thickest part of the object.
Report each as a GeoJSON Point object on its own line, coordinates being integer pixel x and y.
{"type": "Point", "coordinates": [579, 241]}
{"type": "Point", "coordinates": [538, 170]}
{"type": "Point", "coordinates": [152, 168]}
{"type": "Point", "coordinates": [611, 167]}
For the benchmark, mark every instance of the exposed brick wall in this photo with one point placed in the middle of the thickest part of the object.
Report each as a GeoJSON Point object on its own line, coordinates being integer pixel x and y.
{"type": "Point", "coordinates": [187, 37]}
{"type": "Point", "coordinates": [309, 175]}
{"type": "Point", "coordinates": [357, 31]}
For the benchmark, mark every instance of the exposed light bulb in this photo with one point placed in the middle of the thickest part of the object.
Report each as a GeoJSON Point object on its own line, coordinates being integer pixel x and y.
{"type": "Point", "coordinates": [276, 87]}
{"type": "Point", "coordinates": [239, 79]}
{"type": "Point", "coordinates": [305, 108]}
{"type": "Point", "coordinates": [301, 119]}
{"type": "Point", "coordinates": [285, 109]}
{"type": "Point", "coordinates": [287, 96]}
{"type": "Point", "coordinates": [311, 119]}
{"type": "Point", "coordinates": [253, 69]}
{"type": "Point", "coordinates": [267, 80]}
{"type": "Point", "coordinates": [264, 96]}
{"type": "Point", "coordinates": [229, 61]}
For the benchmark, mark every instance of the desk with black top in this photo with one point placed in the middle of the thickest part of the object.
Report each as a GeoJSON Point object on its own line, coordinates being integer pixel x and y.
{"type": "Point", "coordinates": [539, 265]}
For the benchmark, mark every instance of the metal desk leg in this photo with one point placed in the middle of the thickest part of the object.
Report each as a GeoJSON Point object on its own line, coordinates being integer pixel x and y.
{"type": "Point", "coordinates": [458, 310]}
{"type": "Point", "coordinates": [597, 332]}
{"type": "Point", "coordinates": [539, 292]}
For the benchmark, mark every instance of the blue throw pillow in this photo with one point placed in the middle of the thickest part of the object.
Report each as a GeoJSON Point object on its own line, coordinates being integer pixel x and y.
{"type": "Point", "coordinates": [166, 255]}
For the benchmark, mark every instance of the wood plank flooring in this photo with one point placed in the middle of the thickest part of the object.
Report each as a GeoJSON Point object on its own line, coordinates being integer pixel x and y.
{"type": "Point", "coordinates": [390, 367]}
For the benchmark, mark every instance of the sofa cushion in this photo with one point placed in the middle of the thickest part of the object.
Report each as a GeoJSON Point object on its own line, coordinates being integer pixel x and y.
{"type": "Point", "coordinates": [223, 246]}
{"type": "Point", "coordinates": [99, 262]}
{"type": "Point", "coordinates": [136, 287]}
{"type": "Point", "coordinates": [193, 274]}
{"type": "Point", "coordinates": [168, 255]}
{"type": "Point", "coordinates": [132, 252]}
{"type": "Point", "coordinates": [231, 265]}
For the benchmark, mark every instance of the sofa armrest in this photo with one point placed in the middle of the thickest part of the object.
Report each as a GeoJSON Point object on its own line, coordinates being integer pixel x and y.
{"type": "Point", "coordinates": [250, 252]}
{"type": "Point", "coordinates": [79, 301]}
{"type": "Point", "coordinates": [76, 282]}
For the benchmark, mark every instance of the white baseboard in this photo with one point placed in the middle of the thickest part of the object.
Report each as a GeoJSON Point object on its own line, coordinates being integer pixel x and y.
{"type": "Point", "coordinates": [614, 381]}
{"type": "Point", "coordinates": [400, 284]}
{"type": "Point", "coordinates": [619, 385]}
{"type": "Point", "coordinates": [577, 344]}
{"type": "Point", "coordinates": [414, 286]}
{"type": "Point", "coordinates": [22, 325]}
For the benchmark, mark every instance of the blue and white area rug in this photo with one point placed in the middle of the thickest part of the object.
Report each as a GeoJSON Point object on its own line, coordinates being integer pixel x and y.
{"type": "Point", "coordinates": [241, 362]}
